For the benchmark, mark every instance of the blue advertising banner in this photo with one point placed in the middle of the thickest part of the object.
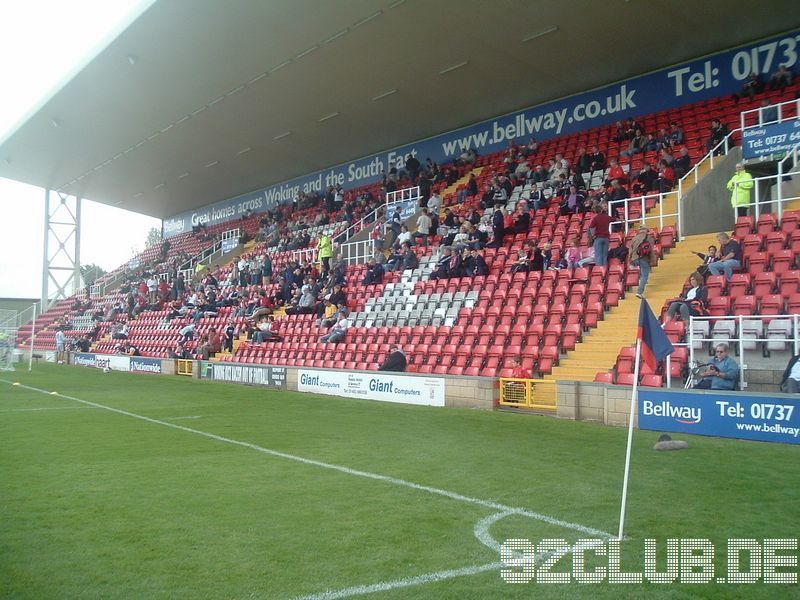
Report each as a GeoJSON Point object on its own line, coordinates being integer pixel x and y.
{"type": "Point", "coordinates": [716, 75]}
{"type": "Point", "coordinates": [722, 414]}
{"type": "Point", "coordinates": [776, 138]}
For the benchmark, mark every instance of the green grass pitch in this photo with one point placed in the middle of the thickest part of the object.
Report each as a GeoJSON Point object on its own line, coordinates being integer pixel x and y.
{"type": "Point", "coordinates": [100, 504]}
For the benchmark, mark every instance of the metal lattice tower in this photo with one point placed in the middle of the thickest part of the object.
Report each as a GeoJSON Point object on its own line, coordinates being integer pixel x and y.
{"type": "Point", "coordinates": [61, 269]}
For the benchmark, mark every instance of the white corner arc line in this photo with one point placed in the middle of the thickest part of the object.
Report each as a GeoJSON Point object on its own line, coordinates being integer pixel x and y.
{"type": "Point", "coordinates": [385, 586]}
{"type": "Point", "coordinates": [496, 506]}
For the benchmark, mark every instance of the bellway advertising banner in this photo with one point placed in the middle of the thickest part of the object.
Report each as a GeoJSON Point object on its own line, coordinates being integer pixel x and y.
{"type": "Point", "coordinates": [427, 391]}
{"type": "Point", "coordinates": [716, 75]}
{"type": "Point", "coordinates": [730, 415]}
{"type": "Point", "coordinates": [249, 374]}
{"type": "Point", "coordinates": [777, 138]}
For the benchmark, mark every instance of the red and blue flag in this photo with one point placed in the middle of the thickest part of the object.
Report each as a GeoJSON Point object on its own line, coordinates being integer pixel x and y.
{"type": "Point", "coordinates": [655, 343]}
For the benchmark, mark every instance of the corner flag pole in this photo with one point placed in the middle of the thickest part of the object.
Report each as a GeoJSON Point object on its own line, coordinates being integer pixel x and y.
{"type": "Point", "coordinates": [634, 397]}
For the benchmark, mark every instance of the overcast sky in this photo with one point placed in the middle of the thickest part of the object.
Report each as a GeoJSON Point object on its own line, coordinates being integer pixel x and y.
{"type": "Point", "coordinates": [41, 43]}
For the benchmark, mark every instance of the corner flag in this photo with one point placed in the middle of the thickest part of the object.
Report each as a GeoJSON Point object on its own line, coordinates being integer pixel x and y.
{"type": "Point", "coordinates": [655, 344]}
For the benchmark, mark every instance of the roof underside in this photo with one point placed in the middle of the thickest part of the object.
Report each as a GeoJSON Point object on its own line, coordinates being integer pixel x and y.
{"type": "Point", "coordinates": [182, 109]}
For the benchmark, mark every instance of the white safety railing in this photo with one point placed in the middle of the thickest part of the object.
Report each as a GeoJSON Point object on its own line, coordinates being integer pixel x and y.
{"type": "Point", "coordinates": [629, 206]}
{"type": "Point", "coordinates": [231, 234]}
{"type": "Point", "coordinates": [392, 199]}
{"type": "Point", "coordinates": [358, 252]}
{"type": "Point", "coordinates": [761, 198]}
{"type": "Point", "coordinates": [741, 339]}
{"type": "Point", "coordinates": [766, 115]}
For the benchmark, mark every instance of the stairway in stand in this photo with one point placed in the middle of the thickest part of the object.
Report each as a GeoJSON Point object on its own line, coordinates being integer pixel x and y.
{"type": "Point", "coordinates": [598, 350]}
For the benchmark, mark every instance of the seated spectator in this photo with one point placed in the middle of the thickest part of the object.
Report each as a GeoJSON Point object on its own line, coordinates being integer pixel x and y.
{"type": "Point", "coordinates": [676, 133]}
{"type": "Point", "coordinates": [522, 221]}
{"type": "Point", "coordinates": [120, 332]}
{"type": "Point", "coordinates": [598, 159]}
{"type": "Point", "coordinates": [547, 256]}
{"type": "Point", "coordinates": [404, 237]}
{"type": "Point", "coordinates": [721, 373]}
{"type": "Point", "coordinates": [374, 274]}
{"type": "Point", "coordinates": [212, 345]}
{"type": "Point", "coordinates": [536, 259]}
{"type": "Point", "coordinates": [751, 87]}
{"type": "Point", "coordinates": [712, 256]}
{"type": "Point", "coordinates": [615, 172]}
{"type": "Point", "coordinates": [337, 332]}
{"type": "Point", "coordinates": [636, 145]}
{"type": "Point", "coordinates": [328, 316]}
{"type": "Point", "coordinates": [666, 177]}
{"type": "Point", "coordinates": [780, 79]}
{"type": "Point", "coordinates": [644, 181]}
{"type": "Point", "coordinates": [583, 163]}
{"type": "Point", "coordinates": [693, 302]}
{"type": "Point", "coordinates": [263, 330]}
{"type": "Point", "coordinates": [179, 352]}
{"type": "Point", "coordinates": [683, 163]}
{"type": "Point", "coordinates": [521, 264]}
{"type": "Point", "coordinates": [573, 254]}
{"type": "Point", "coordinates": [790, 382]}
{"type": "Point", "coordinates": [443, 265]}
{"type": "Point", "coordinates": [730, 257]}
{"type": "Point", "coordinates": [475, 264]}
{"type": "Point", "coordinates": [395, 361]}
{"type": "Point", "coordinates": [573, 201]}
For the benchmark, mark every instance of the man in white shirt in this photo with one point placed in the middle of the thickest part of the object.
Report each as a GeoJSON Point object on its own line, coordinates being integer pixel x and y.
{"type": "Point", "coordinates": [791, 376]}
{"type": "Point", "coordinates": [60, 349]}
{"type": "Point", "coordinates": [337, 332]}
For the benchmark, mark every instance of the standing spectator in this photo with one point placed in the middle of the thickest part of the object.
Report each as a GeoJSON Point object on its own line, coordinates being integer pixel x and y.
{"type": "Point", "coordinates": [60, 346]}
{"type": "Point", "coordinates": [719, 132]}
{"type": "Point", "coordinates": [600, 228]}
{"type": "Point", "coordinates": [730, 259]}
{"type": "Point", "coordinates": [642, 254]}
{"type": "Point", "coordinates": [325, 251]}
{"type": "Point", "coordinates": [498, 226]}
{"type": "Point", "coordinates": [230, 333]}
{"type": "Point", "coordinates": [740, 185]}
{"type": "Point", "coordinates": [424, 225]}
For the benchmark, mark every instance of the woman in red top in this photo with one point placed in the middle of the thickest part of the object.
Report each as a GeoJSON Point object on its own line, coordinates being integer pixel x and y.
{"type": "Point", "coordinates": [666, 177]}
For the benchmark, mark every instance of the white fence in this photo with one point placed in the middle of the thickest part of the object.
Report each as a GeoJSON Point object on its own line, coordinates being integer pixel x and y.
{"type": "Point", "coordinates": [745, 333]}
{"type": "Point", "coordinates": [763, 115]}
{"type": "Point", "coordinates": [392, 199]}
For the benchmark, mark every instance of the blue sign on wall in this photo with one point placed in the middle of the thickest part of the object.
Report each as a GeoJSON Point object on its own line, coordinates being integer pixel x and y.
{"type": "Point", "coordinates": [776, 138]}
{"type": "Point", "coordinates": [722, 414]}
{"type": "Point", "coordinates": [717, 75]}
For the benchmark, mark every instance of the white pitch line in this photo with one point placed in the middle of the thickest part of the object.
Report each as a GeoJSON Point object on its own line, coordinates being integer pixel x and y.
{"type": "Point", "coordinates": [10, 410]}
{"type": "Point", "coordinates": [385, 586]}
{"type": "Point", "coordinates": [496, 506]}
{"type": "Point", "coordinates": [180, 418]}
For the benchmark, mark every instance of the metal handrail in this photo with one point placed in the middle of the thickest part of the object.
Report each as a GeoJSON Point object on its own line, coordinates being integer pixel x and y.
{"type": "Point", "coordinates": [411, 193]}
{"type": "Point", "coordinates": [760, 111]}
{"type": "Point", "coordinates": [780, 200]}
